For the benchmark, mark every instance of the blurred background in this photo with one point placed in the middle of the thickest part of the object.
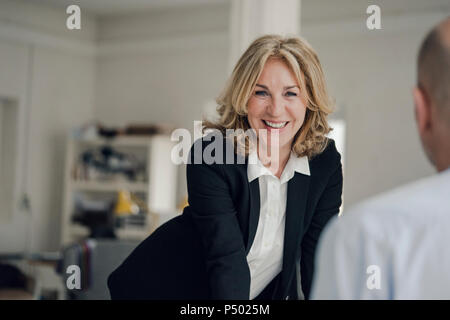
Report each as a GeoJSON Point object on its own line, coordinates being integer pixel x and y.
{"type": "Point", "coordinates": [86, 116]}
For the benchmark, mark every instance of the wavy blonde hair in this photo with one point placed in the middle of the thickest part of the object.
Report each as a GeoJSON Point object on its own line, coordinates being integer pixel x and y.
{"type": "Point", "coordinates": [311, 138]}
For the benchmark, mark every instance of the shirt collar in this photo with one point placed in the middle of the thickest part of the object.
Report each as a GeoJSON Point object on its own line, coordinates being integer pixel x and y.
{"type": "Point", "coordinates": [256, 169]}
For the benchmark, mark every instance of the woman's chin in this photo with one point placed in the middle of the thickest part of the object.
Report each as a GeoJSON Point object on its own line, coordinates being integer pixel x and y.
{"type": "Point", "coordinates": [269, 145]}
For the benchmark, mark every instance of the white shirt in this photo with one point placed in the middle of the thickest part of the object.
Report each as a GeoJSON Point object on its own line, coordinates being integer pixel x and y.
{"type": "Point", "coordinates": [394, 246]}
{"type": "Point", "coordinates": [265, 258]}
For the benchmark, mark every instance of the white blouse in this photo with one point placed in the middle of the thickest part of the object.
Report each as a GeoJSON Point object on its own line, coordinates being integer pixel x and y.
{"type": "Point", "coordinates": [265, 258]}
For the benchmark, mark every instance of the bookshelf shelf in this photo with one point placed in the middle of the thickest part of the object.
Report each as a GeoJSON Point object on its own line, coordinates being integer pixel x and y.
{"type": "Point", "coordinates": [109, 186]}
{"type": "Point", "coordinates": [155, 186]}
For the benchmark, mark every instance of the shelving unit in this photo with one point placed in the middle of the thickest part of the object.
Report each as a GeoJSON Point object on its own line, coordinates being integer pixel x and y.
{"type": "Point", "coordinates": [156, 187]}
{"type": "Point", "coordinates": [109, 186]}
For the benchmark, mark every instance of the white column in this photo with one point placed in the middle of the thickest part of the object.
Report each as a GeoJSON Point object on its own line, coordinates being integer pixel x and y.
{"type": "Point", "coordinates": [253, 18]}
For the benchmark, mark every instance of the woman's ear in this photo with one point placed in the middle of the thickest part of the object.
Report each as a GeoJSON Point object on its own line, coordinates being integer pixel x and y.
{"type": "Point", "coordinates": [422, 110]}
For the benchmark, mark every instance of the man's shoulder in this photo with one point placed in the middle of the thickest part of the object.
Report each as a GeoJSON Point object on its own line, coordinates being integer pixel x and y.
{"type": "Point", "coordinates": [412, 205]}
{"type": "Point", "coordinates": [406, 225]}
{"type": "Point", "coordinates": [407, 197]}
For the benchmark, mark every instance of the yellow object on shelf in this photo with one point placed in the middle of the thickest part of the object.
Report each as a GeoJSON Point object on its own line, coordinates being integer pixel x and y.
{"type": "Point", "coordinates": [125, 205]}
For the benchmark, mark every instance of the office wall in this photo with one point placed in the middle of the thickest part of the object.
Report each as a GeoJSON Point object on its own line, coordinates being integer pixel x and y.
{"type": "Point", "coordinates": [371, 75]}
{"type": "Point", "coordinates": [13, 66]}
{"type": "Point", "coordinates": [161, 66]}
{"type": "Point", "coordinates": [48, 71]}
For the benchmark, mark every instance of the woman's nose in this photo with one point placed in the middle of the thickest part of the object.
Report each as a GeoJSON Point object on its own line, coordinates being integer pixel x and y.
{"type": "Point", "coordinates": [275, 107]}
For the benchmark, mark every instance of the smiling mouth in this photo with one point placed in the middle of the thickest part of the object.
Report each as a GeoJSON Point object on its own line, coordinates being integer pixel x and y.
{"type": "Point", "coordinates": [275, 125]}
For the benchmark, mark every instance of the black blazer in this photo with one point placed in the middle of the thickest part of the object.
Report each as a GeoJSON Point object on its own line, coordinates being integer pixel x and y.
{"type": "Point", "coordinates": [202, 253]}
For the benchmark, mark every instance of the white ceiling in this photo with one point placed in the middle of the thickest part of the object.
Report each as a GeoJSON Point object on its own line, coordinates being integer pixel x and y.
{"type": "Point", "coordinates": [106, 7]}
{"type": "Point", "coordinates": [316, 9]}
{"type": "Point", "coordinates": [329, 10]}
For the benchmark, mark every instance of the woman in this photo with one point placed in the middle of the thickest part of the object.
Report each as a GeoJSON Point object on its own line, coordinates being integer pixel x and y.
{"type": "Point", "coordinates": [251, 228]}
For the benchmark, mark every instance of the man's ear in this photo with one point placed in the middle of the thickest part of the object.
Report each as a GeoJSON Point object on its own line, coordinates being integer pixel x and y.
{"type": "Point", "coordinates": [422, 110]}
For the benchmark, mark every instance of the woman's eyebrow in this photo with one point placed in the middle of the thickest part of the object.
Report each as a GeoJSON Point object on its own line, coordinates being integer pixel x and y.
{"type": "Point", "coordinates": [285, 88]}
{"type": "Point", "coordinates": [262, 86]}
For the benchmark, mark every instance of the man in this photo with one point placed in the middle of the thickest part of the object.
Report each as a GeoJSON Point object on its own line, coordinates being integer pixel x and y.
{"type": "Point", "coordinates": [397, 245]}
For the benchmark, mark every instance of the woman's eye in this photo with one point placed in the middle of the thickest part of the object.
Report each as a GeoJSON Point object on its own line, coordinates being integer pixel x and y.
{"type": "Point", "coordinates": [291, 94]}
{"type": "Point", "coordinates": [261, 93]}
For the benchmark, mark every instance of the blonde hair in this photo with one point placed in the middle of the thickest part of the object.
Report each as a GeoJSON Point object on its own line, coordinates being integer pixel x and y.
{"type": "Point", "coordinates": [311, 138]}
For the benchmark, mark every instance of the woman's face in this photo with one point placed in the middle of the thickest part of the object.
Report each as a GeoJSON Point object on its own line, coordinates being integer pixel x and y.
{"type": "Point", "coordinates": [276, 103]}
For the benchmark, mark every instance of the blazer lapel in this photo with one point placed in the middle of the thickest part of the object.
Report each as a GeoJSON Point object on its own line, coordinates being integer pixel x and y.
{"type": "Point", "coordinates": [297, 194]}
{"type": "Point", "coordinates": [254, 212]}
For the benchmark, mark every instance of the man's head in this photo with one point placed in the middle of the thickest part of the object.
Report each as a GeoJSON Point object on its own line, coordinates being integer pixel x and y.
{"type": "Point", "coordinates": [432, 95]}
